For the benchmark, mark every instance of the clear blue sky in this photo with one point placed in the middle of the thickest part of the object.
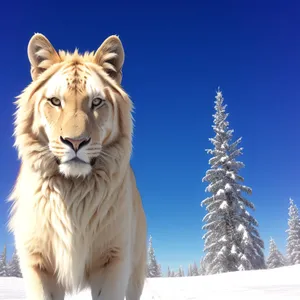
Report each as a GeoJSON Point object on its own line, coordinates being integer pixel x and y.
{"type": "Point", "coordinates": [176, 57]}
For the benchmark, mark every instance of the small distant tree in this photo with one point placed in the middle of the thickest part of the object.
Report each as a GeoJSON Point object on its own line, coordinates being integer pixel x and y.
{"type": "Point", "coordinates": [293, 240]}
{"type": "Point", "coordinates": [202, 269]}
{"type": "Point", "coordinates": [194, 269]}
{"type": "Point", "coordinates": [13, 267]}
{"type": "Point", "coordinates": [3, 264]}
{"type": "Point", "coordinates": [189, 271]}
{"type": "Point", "coordinates": [169, 272]}
{"type": "Point", "coordinates": [153, 267]}
{"type": "Point", "coordinates": [159, 271]}
{"type": "Point", "coordinates": [180, 272]}
{"type": "Point", "coordinates": [275, 259]}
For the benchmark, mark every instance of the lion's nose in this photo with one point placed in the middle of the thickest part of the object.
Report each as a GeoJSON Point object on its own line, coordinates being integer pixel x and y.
{"type": "Point", "coordinates": [75, 143]}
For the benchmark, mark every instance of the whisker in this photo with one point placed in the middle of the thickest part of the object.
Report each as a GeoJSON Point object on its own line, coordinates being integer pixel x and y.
{"type": "Point", "coordinates": [61, 151]}
{"type": "Point", "coordinates": [57, 146]}
{"type": "Point", "coordinates": [97, 149]}
{"type": "Point", "coordinates": [55, 143]}
{"type": "Point", "coordinates": [58, 149]}
{"type": "Point", "coordinates": [58, 153]}
{"type": "Point", "coordinates": [93, 153]}
{"type": "Point", "coordinates": [93, 149]}
{"type": "Point", "coordinates": [108, 155]}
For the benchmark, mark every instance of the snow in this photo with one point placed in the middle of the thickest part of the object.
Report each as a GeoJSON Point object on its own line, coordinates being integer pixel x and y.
{"type": "Point", "coordinates": [223, 239]}
{"type": "Point", "coordinates": [233, 249]}
{"type": "Point", "coordinates": [220, 192]}
{"type": "Point", "coordinates": [275, 284]}
{"type": "Point", "coordinates": [224, 205]}
{"type": "Point", "coordinates": [223, 159]}
{"type": "Point", "coordinates": [231, 175]}
{"type": "Point", "coordinates": [241, 227]}
{"type": "Point", "coordinates": [228, 187]}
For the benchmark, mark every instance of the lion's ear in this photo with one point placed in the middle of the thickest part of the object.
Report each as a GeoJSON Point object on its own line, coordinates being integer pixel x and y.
{"type": "Point", "coordinates": [41, 55]}
{"type": "Point", "coordinates": [110, 56]}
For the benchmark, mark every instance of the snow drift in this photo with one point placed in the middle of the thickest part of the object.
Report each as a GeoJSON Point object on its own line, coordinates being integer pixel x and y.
{"type": "Point", "coordinates": [281, 283]}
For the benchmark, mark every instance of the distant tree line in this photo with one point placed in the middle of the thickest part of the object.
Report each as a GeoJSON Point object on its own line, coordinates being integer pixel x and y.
{"type": "Point", "coordinates": [9, 268]}
{"type": "Point", "coordinates": [275, 258]}
{"type": "Point", "coordinates": [232, 241]}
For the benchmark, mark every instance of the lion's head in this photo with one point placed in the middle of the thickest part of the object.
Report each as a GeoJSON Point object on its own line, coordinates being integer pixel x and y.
{"type": "Point", "coordinates": [74, 110]}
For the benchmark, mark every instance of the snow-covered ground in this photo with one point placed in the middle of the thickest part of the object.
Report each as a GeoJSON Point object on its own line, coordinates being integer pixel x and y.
{"type": "Point", "coordinates": [282, 283]}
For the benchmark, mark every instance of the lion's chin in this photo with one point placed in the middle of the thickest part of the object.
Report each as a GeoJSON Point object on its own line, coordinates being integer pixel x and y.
{"type": "Point", "coordinates": [75, 169]}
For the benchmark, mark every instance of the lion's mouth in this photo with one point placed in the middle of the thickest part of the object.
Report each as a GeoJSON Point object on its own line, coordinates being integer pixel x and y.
{"type": "Point", "coordinates": [77, 160]}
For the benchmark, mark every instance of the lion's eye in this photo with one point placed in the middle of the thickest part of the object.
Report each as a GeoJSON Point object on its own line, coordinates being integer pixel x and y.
{"type": "Point", "coordinates": [97, 102]}
{"type": "Point", "coordinates": [54, 101]}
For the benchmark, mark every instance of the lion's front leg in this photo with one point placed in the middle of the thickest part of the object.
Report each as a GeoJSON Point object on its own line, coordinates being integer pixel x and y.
{"type": "Point", "coordinates": [41, 286]}
{"type": "Point", "coordinates": [111, 283]}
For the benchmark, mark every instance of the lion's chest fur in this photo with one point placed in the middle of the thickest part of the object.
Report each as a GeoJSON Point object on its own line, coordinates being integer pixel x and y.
{"type": "Point", "coordinates": [74, 228]}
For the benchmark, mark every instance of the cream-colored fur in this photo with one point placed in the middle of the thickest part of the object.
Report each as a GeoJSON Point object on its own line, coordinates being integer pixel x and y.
{"type": "Point", "coordinates": [77, 217]}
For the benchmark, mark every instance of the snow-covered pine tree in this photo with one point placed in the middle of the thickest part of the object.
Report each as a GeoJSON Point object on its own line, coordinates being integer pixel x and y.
{"type": "Point", "coordinates": [159, 274]}
{"type": "Point", "coordinates": [13, 267]}
{"type": "Point", "coordinates": [194, 270]}
{"type": "Point", "coordinates": [180, 272]}
{"type": "Point", "coordinates": [153, 267]}
{"type": "Point", "coordinates": [3, 264]}
{"type": "Point", "coordinates": [293, 240]}
{"type": "Point", "coordinates": [202, 267]}
{"type": "Point", "coordinates": [275, 259]}
{"type": "Point", "coordinates": [169, 272]}
{"type": "Point", "coordinates": [189, 271]}
{"type": "Point", "coordinates": [232, 241]}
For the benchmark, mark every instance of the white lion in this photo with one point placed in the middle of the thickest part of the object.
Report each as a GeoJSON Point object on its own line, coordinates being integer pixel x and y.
{"type": "Point", "coordinates": [77, 216]}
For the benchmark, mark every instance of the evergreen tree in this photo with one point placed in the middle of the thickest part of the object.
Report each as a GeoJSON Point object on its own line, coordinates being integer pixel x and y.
{"type": "Point", "coordinates": [159, 273]}
{"type": "Point", "coordinates": [202, 269]}
{"type": "Point", "coordinates": [194, 270]}
{"type": "Point", "coordinates": [3, 266]}
{"type": "Point", "coordinates": [153, 267]}
{"type": "Point", "coordinates": [190, 270]}
{"type": "Point", "coordinates": [169, 272]}
{"type": "Point", "coordinates": [13, 267]}
{"type": "Point", "coordinates": [275, 259]}
{"type": "Point", "coordinates": [293, 240]}
{"type": "Point", "coordinates": [180, 272]}
{"type": "Point", "coordinates": [232, 241]}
